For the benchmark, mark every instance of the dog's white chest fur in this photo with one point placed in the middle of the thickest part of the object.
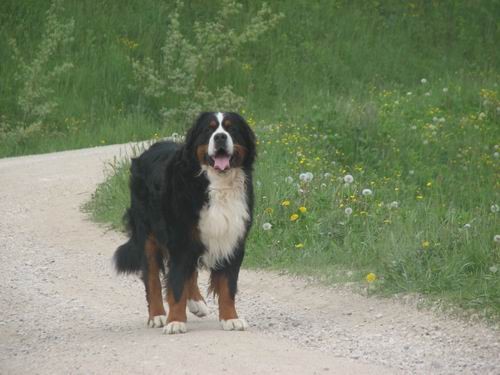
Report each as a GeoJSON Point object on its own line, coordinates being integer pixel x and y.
{"type": "Point", "coordinates": [224, 218]}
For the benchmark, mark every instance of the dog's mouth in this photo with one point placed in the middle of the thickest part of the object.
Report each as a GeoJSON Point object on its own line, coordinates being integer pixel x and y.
{"type": "Point", "coordinates": [221, 161]}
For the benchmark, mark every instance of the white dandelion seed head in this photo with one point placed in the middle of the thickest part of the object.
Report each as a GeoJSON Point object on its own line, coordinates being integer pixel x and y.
{"type": "Point", "coordinates": [445, 89]}
{"type": "Point", "coordinates": [289, 179]}
{"type": "Point", "coordinates": [496, 147]}
{"type": "Point", "coordinates": [435, 119]}
{"type": "Point", "coordinates": [467, 226]}
{"type": "Point", "coordinates": [348, 179]}
{"type": "Point", "coordinates": [482, 116]}
{"type": "Point", "coordinates": [306, 177]}
{"type": "Point", "coordinates": [409, 93]}
{"type": "Point", "coordinates": [428, 93]}
{"type": "Point", "coordinates": [496, 155]}
{"type": "Point", "coordinates": [323, 185]}
{"type": "Point", "coordinates": [348, 211]}
{"type": "Point", "coordinates": [367, 192]}
{"type": "Point", "coordinates": [413, 127]}
{"type": "Point", "coordinates": [267, 226]}
{"type": "Point", "coordinates": [394, 204]}
{"type": "Point", "coordinates": [495, 208]}
{"type": "Point", "coordinates": [411, 172]}
{"type": "Point", "coordinates": [493, 269]}
{"type": "Point", "coordinates": [301, 191]}
{"type": "Point", "coordinates": [423, 81]}
{"type": "Point", "coordinates": [259, 184]}
{"type": "Point", "coordinates": [496, 238]}
{"type": "Point", "coordinates": [327, 175]}
{"type": "Point", "coordinates": [442, 119]}
{"type": "Point", "coordinates": [425, 142]}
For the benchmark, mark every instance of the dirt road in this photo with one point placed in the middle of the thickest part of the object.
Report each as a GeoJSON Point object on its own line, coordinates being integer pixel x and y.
{"type": "Point", "coordinates": [63, 309]}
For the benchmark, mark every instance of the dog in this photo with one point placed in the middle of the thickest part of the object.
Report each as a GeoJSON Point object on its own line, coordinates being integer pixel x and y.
{"type": "Point", "coordinates": [191, 208]}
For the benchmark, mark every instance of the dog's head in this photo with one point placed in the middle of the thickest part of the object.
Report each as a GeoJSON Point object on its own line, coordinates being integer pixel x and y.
{"type": "Point", "coordinates": [222, 140]}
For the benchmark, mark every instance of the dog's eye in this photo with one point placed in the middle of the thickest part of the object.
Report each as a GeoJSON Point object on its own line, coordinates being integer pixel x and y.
{"type": "Point", "coordinates": [213, 125]}
{"type": "Point", "coordinates": [227, 124]}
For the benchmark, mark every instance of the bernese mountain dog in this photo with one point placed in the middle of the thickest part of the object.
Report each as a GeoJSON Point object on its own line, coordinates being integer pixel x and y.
{"type": "Point", "coordinates": [191, 208]}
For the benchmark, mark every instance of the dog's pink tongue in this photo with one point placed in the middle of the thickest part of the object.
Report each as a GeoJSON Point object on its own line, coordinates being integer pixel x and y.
{"type": "Point", "coordinates": [221, 162]}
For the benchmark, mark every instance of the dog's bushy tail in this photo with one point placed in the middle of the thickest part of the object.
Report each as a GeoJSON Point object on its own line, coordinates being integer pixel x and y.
{"type": "Point", "coordinates": [129, 257]}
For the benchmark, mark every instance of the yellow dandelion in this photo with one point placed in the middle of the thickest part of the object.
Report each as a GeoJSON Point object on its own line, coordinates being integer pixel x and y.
{"type": "Point", "coordinates": [268, 210]}
{"type": "Point", "coordinates": [285, 203]}
{"type": "Point", "coordinates": [420, 196]}
{"type": "Point", "coordinates": [303, 209]}
{"type": "Point", "coordinates": [425, 244]}
{"type": "Point", "coordinates": [429, 184]}
{"type": "Point", "coordinates": [294, 217]}
{"type": "Point", "coordinates": [371, 277]}
{"type": "Point", "coordinates": [299, 245]}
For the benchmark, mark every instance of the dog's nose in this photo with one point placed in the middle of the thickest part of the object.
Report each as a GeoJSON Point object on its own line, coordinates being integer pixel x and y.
{"type": "Point", "coordinates": [220, 137]}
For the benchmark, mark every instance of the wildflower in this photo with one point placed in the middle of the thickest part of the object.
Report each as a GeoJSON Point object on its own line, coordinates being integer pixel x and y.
{"type": "Point", "coordinates": [428, 93]}
{"type": "Point", "coordinates": [445, 89]}
{"type": "Point", "coordinates": [266, 226]}
{"type": "Point", "coordinates": [428, 184]}
{"type": "Point", "coordinates": [394, 204]}
{"type": "Point", "coordinates": [467, 226]}
{"type": "Point", "coordinates": [409, 93]}
{"type": "Point", "coordinates": [306, 177]}
{"type": "Point", "coordinates": [289, 179]}
{"type": "Point", "coordinates": [371, 277]}
{"type": "Point", "coordinates": [419, 196]}
{"type": "Point", "coordinates": [303, 209]}
{"type": "Point", "coordinates": [496, 155]}
{"type": "Point", "coordinates": [482, 116]}
{"type": "Point", "coordinates": [495, 208]}
{"type": "Point", "coordinates": [285, 203]}
{"type": "Point", "coordinates": [348, 179]}
{"type": "Point", "coordinates": [294, 217]}
{"type": "Point", "coordinates": [411, 172]}
{"type": "Point", "coordinates": [496, 238]}
{"type": "Point", "coordinates": [348, 211]}
{"type": "Point", "coordinates": [493, 269]}
{"type": "Point", "coordinates": [299, 245]}
{"type": "Point", "coordinates": [327, 175]}
{"type": "Point", "coordinates": [367, 192]}
{"type": "Point", "coordinates": [423, 81]}
{"type": "Point", "coordinates": [269, 210]}
{"type": "Point", "coordinates": [425, 244]}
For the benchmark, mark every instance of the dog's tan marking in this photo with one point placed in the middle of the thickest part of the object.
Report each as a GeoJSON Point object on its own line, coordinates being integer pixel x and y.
{"type": "Point", "coordinates": [219, 284]}
{"type": "Point", "coordinates": [153, 284]}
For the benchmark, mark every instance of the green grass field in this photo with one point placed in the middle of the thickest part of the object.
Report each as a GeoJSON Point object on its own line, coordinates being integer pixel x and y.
{"type": "Point", "coordinates": [402, 96]}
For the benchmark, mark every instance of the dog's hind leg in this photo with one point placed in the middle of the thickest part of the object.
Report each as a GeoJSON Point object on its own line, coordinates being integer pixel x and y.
{"type": "Point", "coordinates": [151, 278]}
{"type": "Point", "coordinates": [196, 304]}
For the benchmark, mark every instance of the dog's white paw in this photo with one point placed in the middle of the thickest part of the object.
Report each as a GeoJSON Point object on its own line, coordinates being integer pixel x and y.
{"type": "Point", "coordinates": [157, 321]}
{"type": "Point", "coordinates": [198, 308]}
{"type": "Point", "coordinates": [234, 325]}
{"type": "Point", "coordinates": [175, 327]}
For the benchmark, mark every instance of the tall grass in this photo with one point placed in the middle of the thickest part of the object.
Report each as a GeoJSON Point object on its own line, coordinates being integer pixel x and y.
{"type": "Point", "coordinates": [319, 52]}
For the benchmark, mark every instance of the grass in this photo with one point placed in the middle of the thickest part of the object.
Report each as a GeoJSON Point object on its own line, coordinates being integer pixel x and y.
{"type": "Point", "coordinates": [337, 88]}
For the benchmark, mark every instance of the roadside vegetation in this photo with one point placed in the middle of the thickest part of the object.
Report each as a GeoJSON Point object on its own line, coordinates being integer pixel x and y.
{"type": "Point", "coordinates": [378, 123]}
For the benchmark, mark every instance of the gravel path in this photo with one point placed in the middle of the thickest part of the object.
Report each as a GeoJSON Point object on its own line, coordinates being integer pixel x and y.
{"type": "Point", "coordinates": [63, 310]}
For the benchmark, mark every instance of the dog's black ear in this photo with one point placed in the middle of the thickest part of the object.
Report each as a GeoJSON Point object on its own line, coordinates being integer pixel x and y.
{"type": "Point", "coordinates": [195, 131]}
{"type": "Point", "coordinates": [250, 141]}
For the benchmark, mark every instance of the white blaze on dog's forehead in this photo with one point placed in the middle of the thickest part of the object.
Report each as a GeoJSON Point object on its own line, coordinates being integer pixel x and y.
{"type": "Point", "coordinates": [220, 117]}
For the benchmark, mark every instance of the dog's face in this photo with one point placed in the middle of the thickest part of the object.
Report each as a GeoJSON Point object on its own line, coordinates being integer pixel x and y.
{"type": "Point", "coordinates": [222, 140]}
